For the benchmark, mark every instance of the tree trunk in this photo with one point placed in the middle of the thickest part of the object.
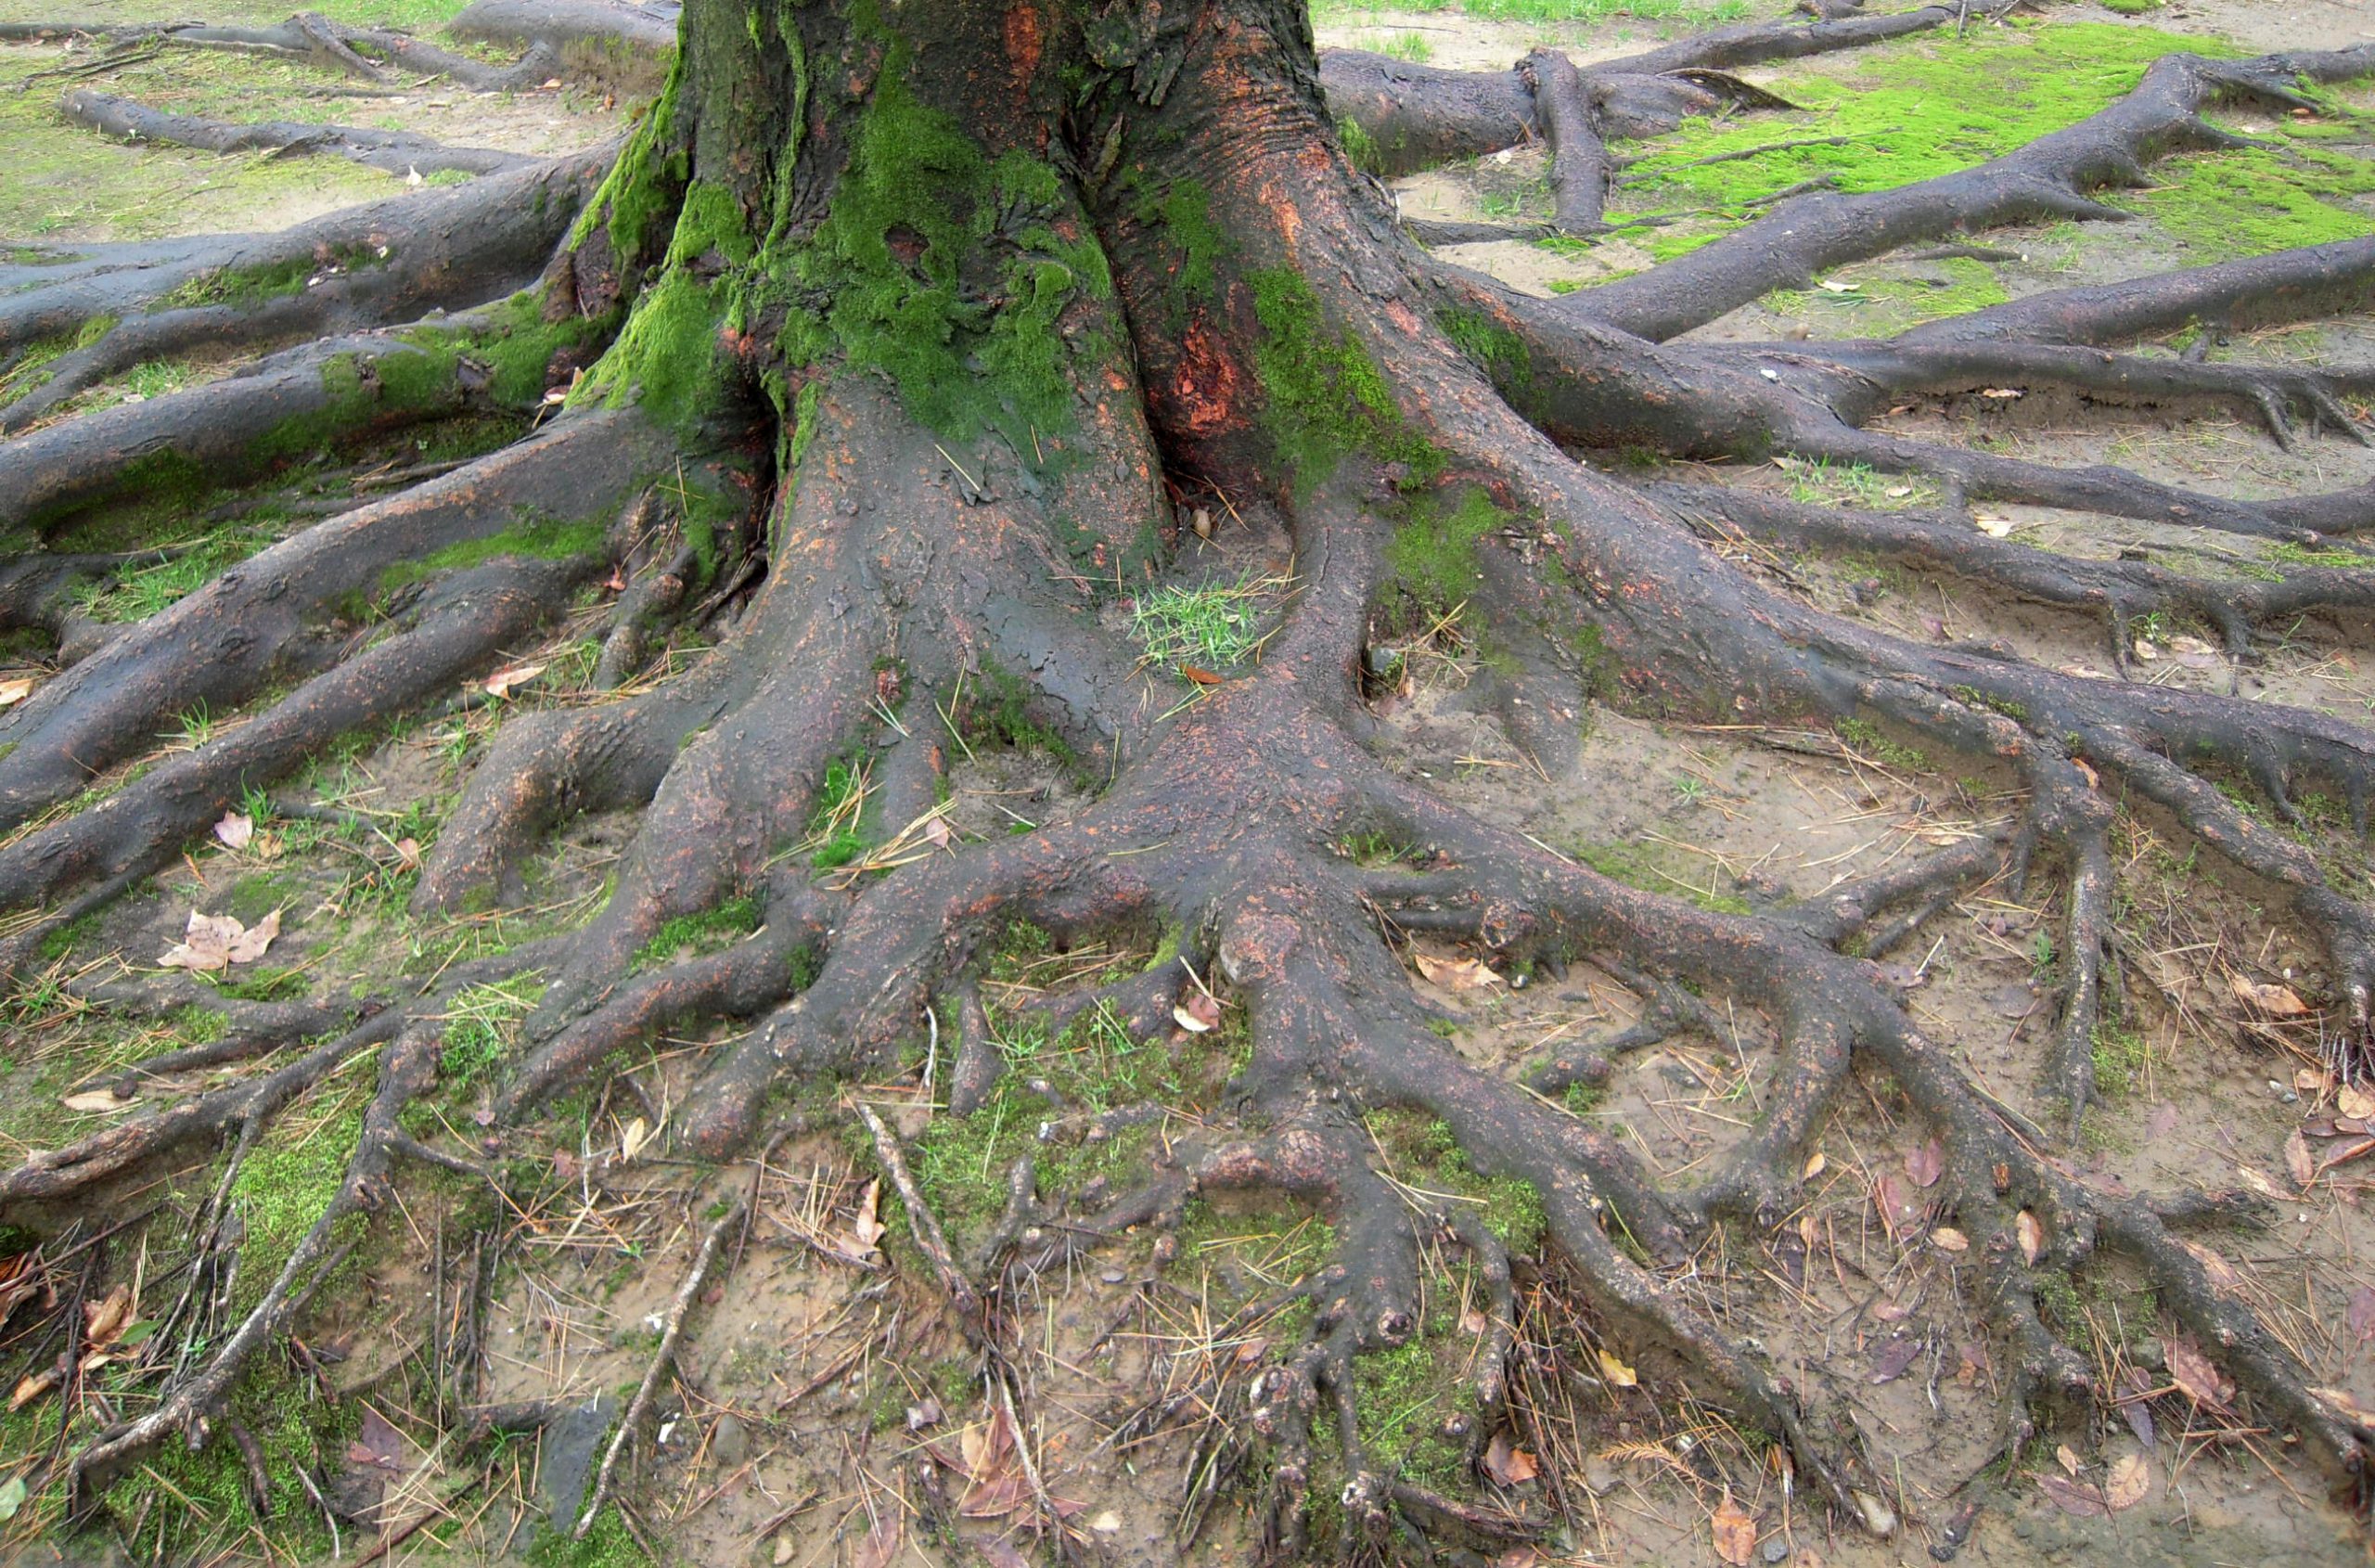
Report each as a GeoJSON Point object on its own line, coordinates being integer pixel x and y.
{"type": "Point", "coordinates": [908, 340]}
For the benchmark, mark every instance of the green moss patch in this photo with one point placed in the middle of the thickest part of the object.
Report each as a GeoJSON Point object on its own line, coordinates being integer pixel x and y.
{"type": "Point", "coordinates": [1937, 103]}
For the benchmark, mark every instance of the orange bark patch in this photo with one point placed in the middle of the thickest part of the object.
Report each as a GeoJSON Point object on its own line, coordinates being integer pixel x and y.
{"type": "Point", "coordinates": [1025, 38]}
{"type": "Point", "coordinates": [1204, 386]}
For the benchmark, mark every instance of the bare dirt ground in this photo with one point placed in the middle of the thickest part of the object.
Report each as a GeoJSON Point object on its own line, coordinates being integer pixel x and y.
{"type": "Point", "coordinates": [829, 1411]}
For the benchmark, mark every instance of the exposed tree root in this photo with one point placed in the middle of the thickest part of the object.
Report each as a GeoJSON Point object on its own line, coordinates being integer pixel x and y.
{"type": "Point", "coordinates": [365, 268]}
{"type": "Point", "coordinates": [2051, 177]}
{"type": "Point", "coordinates": [397, 152]}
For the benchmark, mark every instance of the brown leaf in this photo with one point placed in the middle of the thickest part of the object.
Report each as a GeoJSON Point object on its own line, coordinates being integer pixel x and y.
{"type": "Point", "coordinates": [2277, 1001]}
{"type": "Point", "coordinates": [2258, 1183]}
{"type": "Point", "coordinates": [1507, 1464]}
{"type": "Point", "coordinates": [1616, 1371]}
{"type": "Point", "coordinates": [2067, 1458]}
{"type": "Point", "coordinates": [408, 855]}
{"type": "Point", "coordinates": [1201, 677]}
{"type": "Point", "coordinates": [2130, 1478]}
{"type": "Point", "coordinates": [2354, 1101]}
{"type": "Point", "coordinates": [15, 689]}
{"type": "Point", "coordinates": [501, 683]}
{"type": "Point", "coordinates": [1198, 1015]}
{"type": "Point", "coordinates": [2297, 1162]}
{"type": "Point", "coordinates": [92, 1101]}
{"type": "Point", "coordinates": [1735, 1530]}
{"type": "Point", "coordinates": [1947, 1239]}
{"type": "Point", "coordinates": [21, 1276]}
{"type": "Point", "coordinates": [1900, 1210]}
{"type": "Point", "coordinates": [214, 942]}
{"type": "Point", "coordinates": [1456, 974]}
{"type": "Point", "coordinates": [2362, 1312]}
{"type": "Point", "coordinates": [1815, 1163]}
{"type": "Point", "coordinates": [32, 1386]}
{"type": "Point", "coordinates": [235, 830]}
{"type": "Point", "coordinates": [378, 1445]}
{"type": "Point", "coordinates": [2075, 1497]}
{"type": "Point", "coordinates": [2031, 1234]}
{"type": "Point", "coordinates": [104, 1320]}
{"type": "Point", "coordinates": [881, 1548]}
{"type": "Point", "coordinates": [1925, 1164]}
{"type": "Point", "coordinates": [2343, 1153]}
{"type": "Point", "coordinates": [1890, 1361]}
{"type": "Point", "coordinates": [866, 1229]}
{"type": "Point", "coordinates": [2193, 1371]}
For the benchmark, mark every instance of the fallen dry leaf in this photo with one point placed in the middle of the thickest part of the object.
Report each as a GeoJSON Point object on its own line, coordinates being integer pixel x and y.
{"type": "Point", "coordinates": [2362, 1312]}
{"type": "Point", "coordinates": [92, 1101]}
{"type": "Point", "coordinates": [1900, 1209]}
{"type": "Point", "coordinates": [1201, 677]}
{"type": "Point", "coordinates": [881, 1548]}
{"type": "Point", "coordinates": [2277, 1001]}
{"type": "Point", "coordinates": [235, 830]}
{"type": "Point", "coordinates": [2193, 1371]}
{"type": "Point", "coordinates": [1815, 1163]}
{"type": "Point", "coordinates": [1456, 974]}
{"type": "Point", "coordinates": [2075, 1497]}
{"type": "Point", "coordinates": [2130, 1479]}
{"type": "Point", "coordinates": [1616, 1371]}
{"type": "Point", "coordinates": [104, 1323]}
{"type": "Point", "coordinates": [1994, 527]}
{"type": "Point", "coordinates": [633, 1138]}
{"type": "Point", "coordinates": [1890, 1361]}
{"type": "Point", "coordinates": [32, 1386]}
{"type": "Point", "coordinates": [2031, 1234]}
{"type": "Point", "coordinates": [2297, 1162]}
{"type": "Point", "coordinates": [213, 942]}
{"type": "Point", "coordinates": [2355, 1102]}
{"type": "Point", "coordinates": [1198, 1014]}
{"type": "Point", "coordinates": [1950, 1240]}
{"type": "Point", "coordinates": [866, 1229]}
{"type": "Point", "coordinates": [1735, 1530]}
{"type": "Point", "coordinates": [20, 1277]}
{"type": "Point", "coordinates": [1507, 1464]}
{"type": "Point", "coordinates": [502, 682]}
{"type": "Point", "coordinates": [2067, 1458]}
{"type": "Point", "coordinates": [2258, 1183]}
{"type": "Point", "coordinates": [1926, 1163]}
{"type": "Point", "coordinates": [15, 689]}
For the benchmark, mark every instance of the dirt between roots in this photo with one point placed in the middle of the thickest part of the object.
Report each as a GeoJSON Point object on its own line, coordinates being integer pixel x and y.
{"type": "Point", "coordinates": [832, 1413]}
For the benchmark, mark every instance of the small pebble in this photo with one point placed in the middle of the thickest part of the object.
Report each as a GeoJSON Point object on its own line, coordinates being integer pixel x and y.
{"type": "Point", "coordinates": [1112, 1275]}
{"type": "Point", "coordinates": [2291, 1098]}
{"type": "Point", "coordinates": [1776, 1551]}
{"type": "Point", "coordinates": [2274, 1088]}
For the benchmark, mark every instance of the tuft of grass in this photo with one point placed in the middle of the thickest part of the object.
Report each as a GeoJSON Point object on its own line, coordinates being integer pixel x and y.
{"type": "Point", "coordinates": [141, 589]}
{"type": "Point", "coordinates": [481, 1023]}
{"type": "Point", "coordinates": [1823, 482]}
{"type": "Point", "coordinates": [1216, 626]}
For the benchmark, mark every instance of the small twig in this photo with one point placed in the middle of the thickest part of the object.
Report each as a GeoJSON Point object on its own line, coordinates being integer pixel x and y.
{"type": "Point", "coordinates": [660, 1359]}
{"type": "Point", "coordinates": [961, 1293]}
